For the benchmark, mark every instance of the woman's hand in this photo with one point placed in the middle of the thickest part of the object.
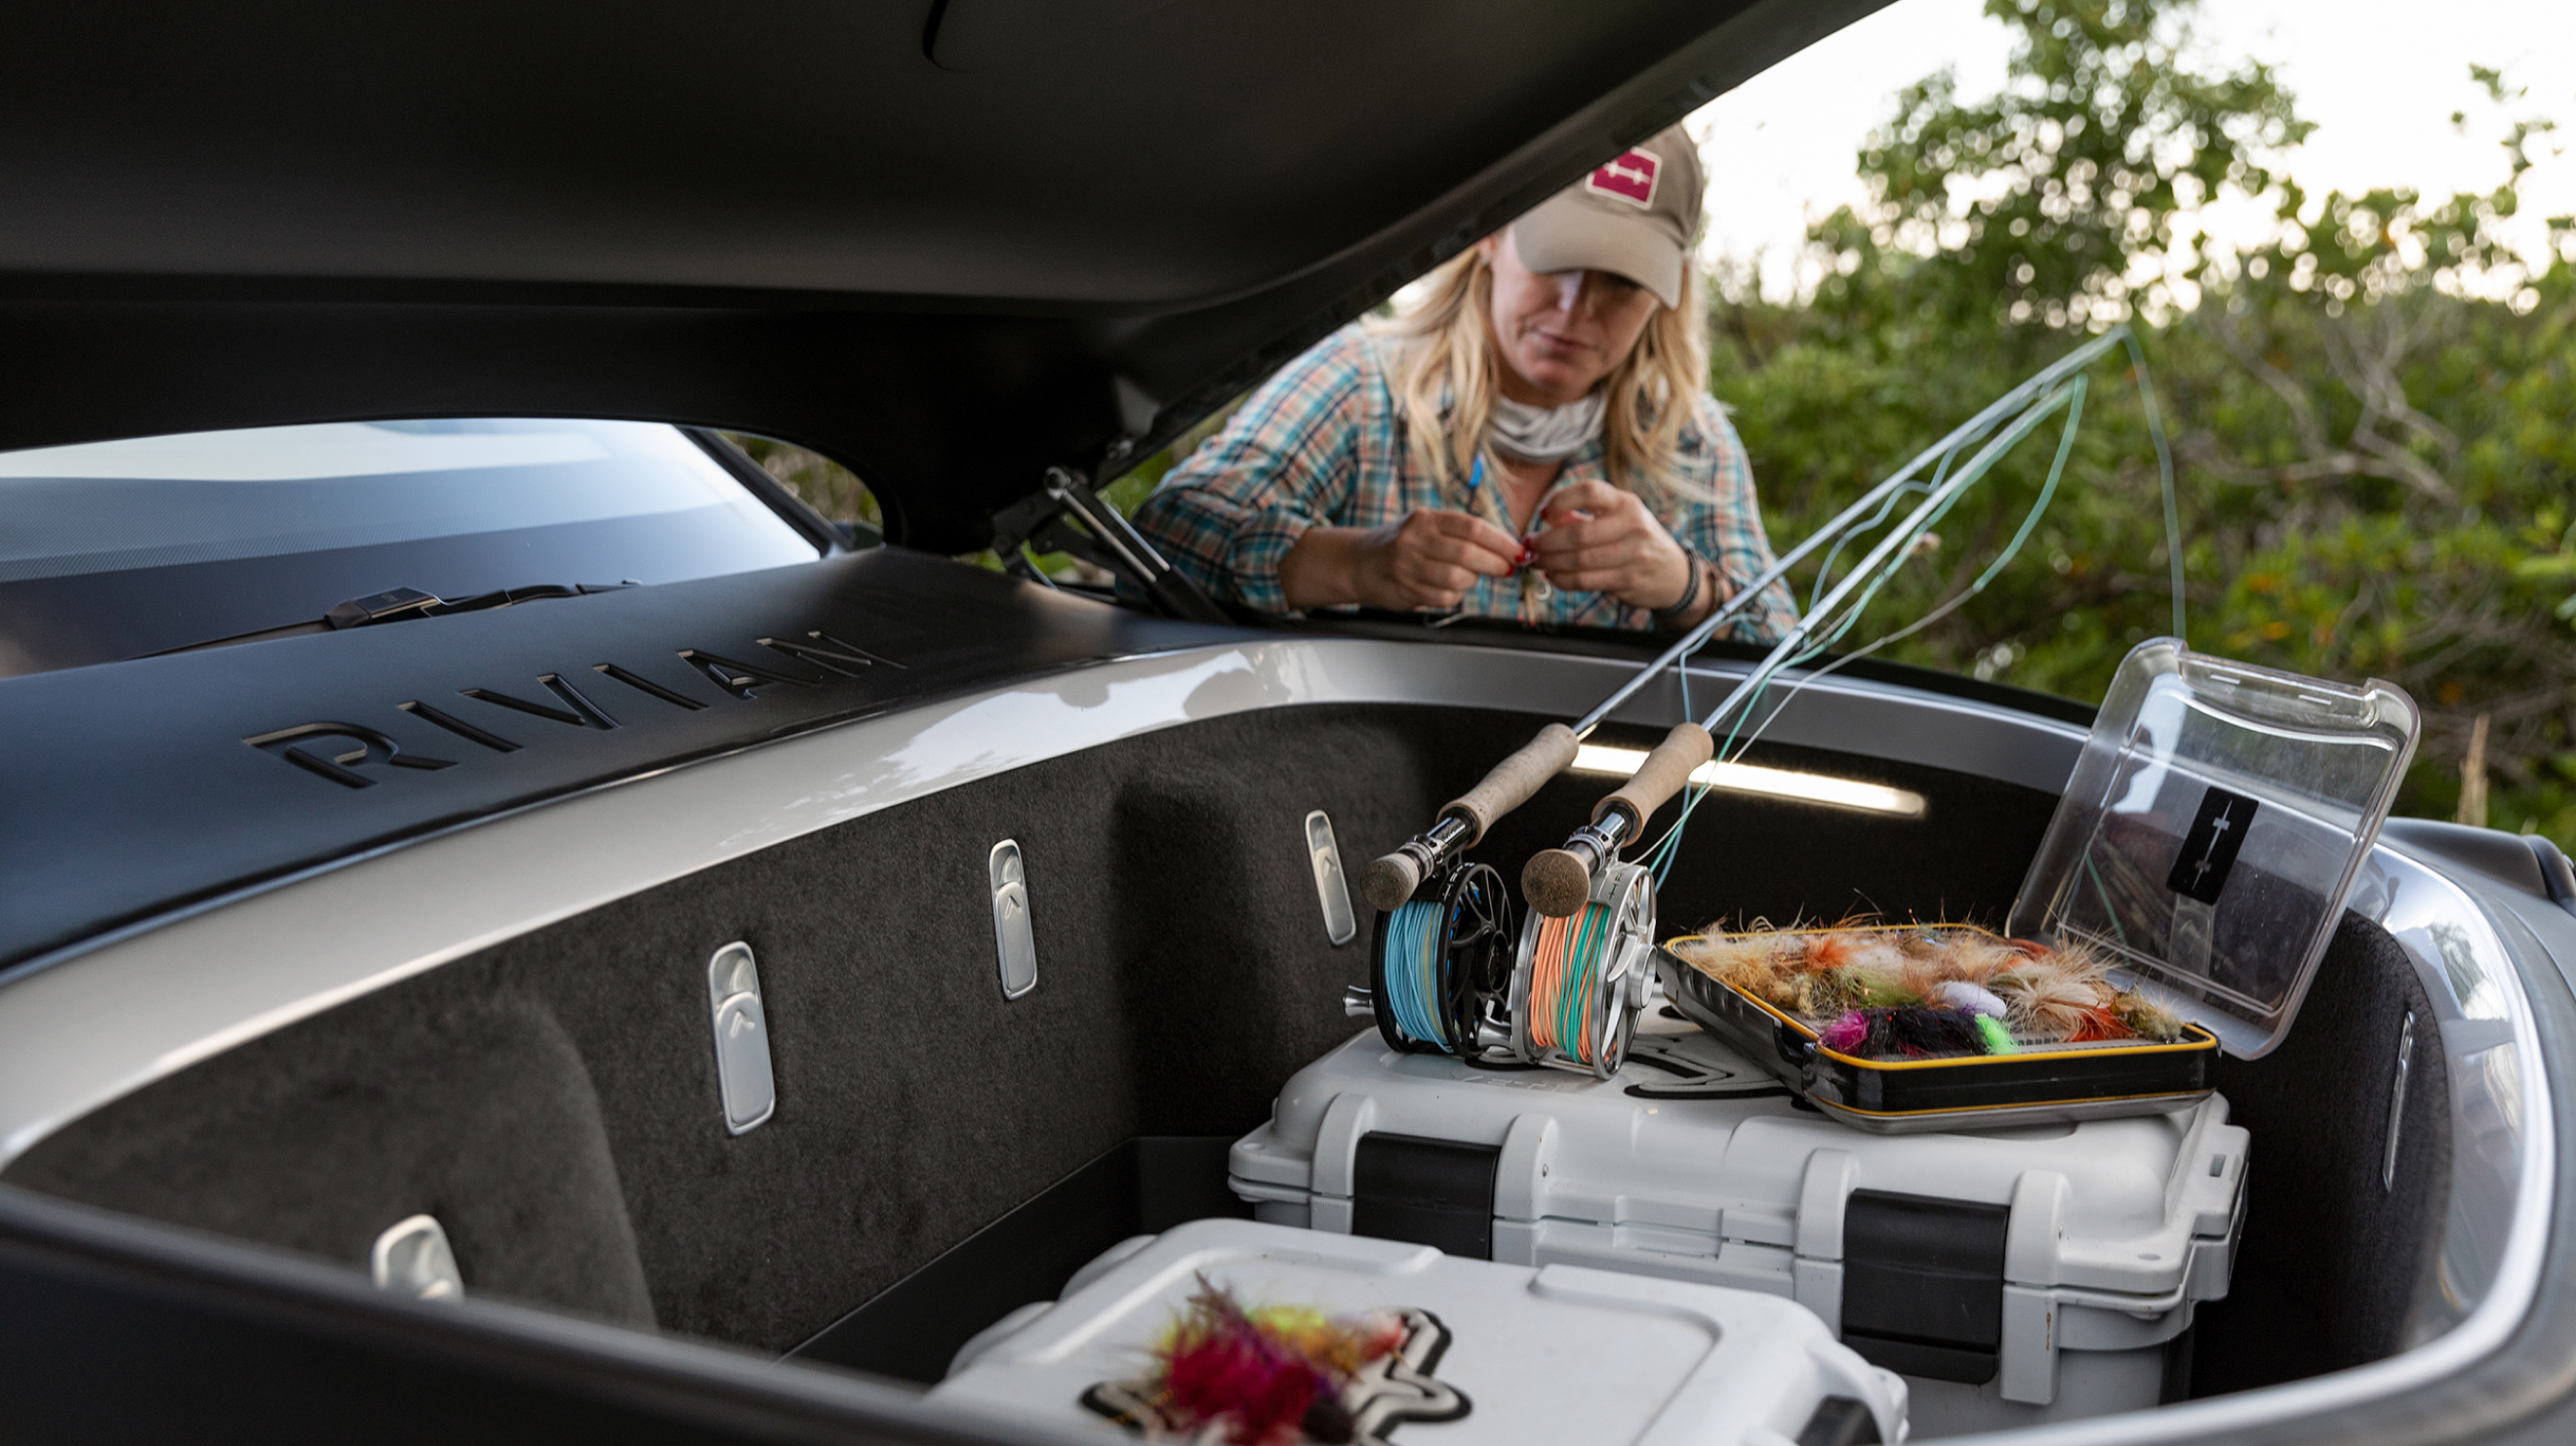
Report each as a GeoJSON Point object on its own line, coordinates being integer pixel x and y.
{"type": "Point", "coordinates": [1427, 561]}
{"type": "Point", "coordinates": [1602, 539]}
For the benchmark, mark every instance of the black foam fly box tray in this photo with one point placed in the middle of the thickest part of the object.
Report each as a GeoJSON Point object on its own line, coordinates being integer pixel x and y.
{"type": "Point", "coordinates": [2036, 1084]}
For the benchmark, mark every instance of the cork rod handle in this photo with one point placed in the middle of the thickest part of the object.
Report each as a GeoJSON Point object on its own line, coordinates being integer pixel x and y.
{"type": "Point", "coordinates": [1391, 879]}
{"type": "Point", "coordinates": [1558, 881]}
{"type": "Point", "coordinates": [1660, 776]}
{"type": "Point", "coordinates": [1513, 780]}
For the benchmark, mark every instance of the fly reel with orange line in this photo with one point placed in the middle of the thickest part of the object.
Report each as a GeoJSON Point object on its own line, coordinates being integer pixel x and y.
{"type": "Point", "coordinates": [1586, 961]}
{"type": "Point", "coordinates": [1581, 981]}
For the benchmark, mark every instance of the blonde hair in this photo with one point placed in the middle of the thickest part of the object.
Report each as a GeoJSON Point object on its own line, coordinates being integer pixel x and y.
{"type": "Point", "coordinates": [1445, 385]}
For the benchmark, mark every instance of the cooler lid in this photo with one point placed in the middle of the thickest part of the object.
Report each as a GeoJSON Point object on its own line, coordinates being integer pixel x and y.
{"type": "Point", "coordinates": [2212, 831]}
{"type": "Point", "coordinates": [1510, 1355]}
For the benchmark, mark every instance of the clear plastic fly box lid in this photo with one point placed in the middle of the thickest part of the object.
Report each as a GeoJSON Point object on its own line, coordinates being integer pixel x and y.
{"type": "Point", "coordinates": [2212, 830]}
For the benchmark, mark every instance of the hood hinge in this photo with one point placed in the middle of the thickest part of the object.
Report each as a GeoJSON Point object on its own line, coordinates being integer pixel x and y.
{"type": "Point", "coordinates": [1065, 515]}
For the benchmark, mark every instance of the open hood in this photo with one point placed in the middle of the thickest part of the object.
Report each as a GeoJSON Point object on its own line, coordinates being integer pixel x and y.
{"type": "Point", "coordinates": [950, 243]}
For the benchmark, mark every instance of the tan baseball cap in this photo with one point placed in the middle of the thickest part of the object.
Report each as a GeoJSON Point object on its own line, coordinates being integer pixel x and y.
{"type": "Point", "coordinates": [1633, 217]}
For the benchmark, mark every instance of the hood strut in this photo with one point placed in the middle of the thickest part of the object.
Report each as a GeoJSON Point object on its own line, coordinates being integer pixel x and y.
{"type": "Point", "coordinates": [1065, 515]}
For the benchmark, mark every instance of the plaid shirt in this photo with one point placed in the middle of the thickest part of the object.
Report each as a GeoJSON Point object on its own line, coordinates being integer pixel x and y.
{"type": "Point", "coordinates": [1323, 442]}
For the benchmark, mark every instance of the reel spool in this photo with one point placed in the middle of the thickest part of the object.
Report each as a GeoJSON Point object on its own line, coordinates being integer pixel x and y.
{"type": "Point", "coordinates": [1441, 962]}
{"type": "Point", "coordinates": [1580, 982]}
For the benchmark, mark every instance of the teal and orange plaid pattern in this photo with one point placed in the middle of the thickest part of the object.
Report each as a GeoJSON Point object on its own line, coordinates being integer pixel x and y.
{"type": "Point", "coordinates": [1323, 442]}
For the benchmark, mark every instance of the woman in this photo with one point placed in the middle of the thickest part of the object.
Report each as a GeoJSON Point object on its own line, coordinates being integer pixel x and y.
{"type": "Point", "coordinates": [1534, 441]}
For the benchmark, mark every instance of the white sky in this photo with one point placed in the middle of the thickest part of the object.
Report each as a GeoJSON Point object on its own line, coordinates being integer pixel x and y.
{"type": "Point", "coordinates": [2379, 77]}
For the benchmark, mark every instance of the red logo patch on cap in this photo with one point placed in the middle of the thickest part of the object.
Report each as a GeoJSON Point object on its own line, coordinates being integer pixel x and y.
{"type": "Point", "coordinates": [1631, 178]}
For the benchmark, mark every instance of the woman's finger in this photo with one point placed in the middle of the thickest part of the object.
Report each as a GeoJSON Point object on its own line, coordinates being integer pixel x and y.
{"type": "Point", "coordinates": [1611, 581]}
{"type": "Point", "coordinates": [1615, 580]}
{"type": "Point", "coordinates": [1590, 545]}
{"type": "Point", "coordinates": [1575, 531]}
{"type": "Point", "coordinates": [1410, 594]}
{"type": "Point", "coordinates": [1463, 552]}
{"type": "Point", "coordinates": [1471, 532]}
{"type": "Point", "coordinates": [1598, 498]}
{"type": "Point", "coordinates": [1425, 574]}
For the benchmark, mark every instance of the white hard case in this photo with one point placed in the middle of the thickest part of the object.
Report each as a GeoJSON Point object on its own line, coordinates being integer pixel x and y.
{"type": "Point", "coordinates": [1541, 1356]}
{"type": "Point", "coordinates": [2116, 1228]}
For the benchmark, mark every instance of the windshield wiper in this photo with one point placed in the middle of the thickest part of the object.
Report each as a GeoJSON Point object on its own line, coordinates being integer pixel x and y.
{"type": "Point", "coordinates": [402, 604]}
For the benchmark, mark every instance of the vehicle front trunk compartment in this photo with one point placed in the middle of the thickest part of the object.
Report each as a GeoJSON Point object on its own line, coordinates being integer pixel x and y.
{"type": "Point", "coordinates": [552, 1099]}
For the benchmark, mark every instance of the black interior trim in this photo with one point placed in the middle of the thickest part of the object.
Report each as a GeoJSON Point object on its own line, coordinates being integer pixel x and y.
{"type": "Point", "coordinates": [2333, 1268]}
{"type": "Point", "coordinates": [133, 791]}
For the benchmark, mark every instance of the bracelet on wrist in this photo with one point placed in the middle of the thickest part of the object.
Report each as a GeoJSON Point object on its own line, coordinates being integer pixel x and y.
{"type": "Point", "coordinates": [1690, 595]}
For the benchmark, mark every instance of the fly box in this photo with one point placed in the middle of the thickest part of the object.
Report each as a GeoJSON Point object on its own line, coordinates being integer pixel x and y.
{"type": "Point", "coordinates": [1303, 1336]}
{"type": "Point", "coordinates": [2013, 1276]}
{"type": "Point", "coordinates": [2187, 886]}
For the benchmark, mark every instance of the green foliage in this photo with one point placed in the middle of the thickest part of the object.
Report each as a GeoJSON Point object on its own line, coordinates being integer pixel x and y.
{"type": "Point", "coordinates": [817, 480]}
{"type": "Point", "coordinates": [2374, 412]}
{"type": "Point", "coordinates": [2058, 198]}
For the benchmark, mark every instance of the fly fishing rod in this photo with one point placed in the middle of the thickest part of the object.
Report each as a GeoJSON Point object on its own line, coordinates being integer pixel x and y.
{"type": "Point", "coordinates": [1557, 882]}
{"type": "Point", "coordinates": [1583, 972]}
{"type": "Point", "coordinates": [1424, 911]}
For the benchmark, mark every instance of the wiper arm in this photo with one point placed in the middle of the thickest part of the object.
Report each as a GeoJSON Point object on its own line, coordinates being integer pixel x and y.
{"type": "Point", "coordinates": [401, 603]}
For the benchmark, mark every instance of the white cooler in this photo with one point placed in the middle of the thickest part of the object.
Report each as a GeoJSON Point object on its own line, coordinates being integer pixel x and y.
{"type": "Point", "coordinates": [2013, 1275]}
{"type": "Point", "coordinates": [1495, 1353]}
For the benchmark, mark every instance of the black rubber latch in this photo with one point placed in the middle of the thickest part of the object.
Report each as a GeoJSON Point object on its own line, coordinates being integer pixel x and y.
{"type": "Point", "coordinates": [2501, 856]}
{"type": "Point", "coordinates": [2557, 875]}
{"type": "Point", "coordinates": [1923, 1284]}
{"type": "Point", "coordinates": [1438, 1193]}
{"type": "Point", "coordinates": [1840, 1421]}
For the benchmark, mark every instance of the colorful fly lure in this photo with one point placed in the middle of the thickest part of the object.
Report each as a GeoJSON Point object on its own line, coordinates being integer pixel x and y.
{"type": "Point", "coordinates": [1266, 1375]}
{"type": "Point", "coordinates": [1923, 992]}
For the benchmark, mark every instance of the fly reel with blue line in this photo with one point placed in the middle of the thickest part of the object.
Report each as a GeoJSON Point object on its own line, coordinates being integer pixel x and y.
{"type": "Point", "coordinates": [1442, 963]}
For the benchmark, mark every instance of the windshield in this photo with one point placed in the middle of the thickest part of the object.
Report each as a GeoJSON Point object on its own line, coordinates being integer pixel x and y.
{"type": "Point", "coordinates": [117, 549]}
